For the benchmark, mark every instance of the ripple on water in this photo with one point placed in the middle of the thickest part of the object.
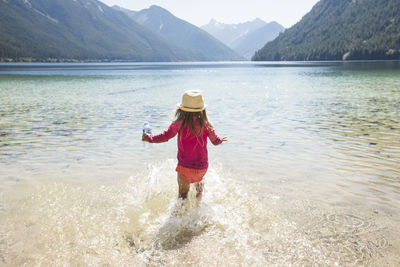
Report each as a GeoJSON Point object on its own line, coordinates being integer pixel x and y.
{"type": "Point", "coordinates": [295, 127]}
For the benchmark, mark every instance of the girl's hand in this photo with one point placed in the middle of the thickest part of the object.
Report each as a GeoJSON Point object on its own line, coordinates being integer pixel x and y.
{"type": "Point", "coordinates": [145, 137]}
{"type": "Point", "coordinates": [224, 139]}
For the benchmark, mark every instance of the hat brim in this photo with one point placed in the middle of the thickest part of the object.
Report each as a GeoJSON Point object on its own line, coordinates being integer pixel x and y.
{"type": "Point", "coordinates": [191, 109]}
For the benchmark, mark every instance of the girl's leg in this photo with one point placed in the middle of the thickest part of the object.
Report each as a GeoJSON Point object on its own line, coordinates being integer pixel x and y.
{"type": "Point", "coordinates": [199, 189]}
{"type": "Point", "coordinates": [184, 186]}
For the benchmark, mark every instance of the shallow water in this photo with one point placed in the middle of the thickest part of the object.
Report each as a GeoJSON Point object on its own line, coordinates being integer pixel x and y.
{"type": "Point", "coordinates": [310, 175]}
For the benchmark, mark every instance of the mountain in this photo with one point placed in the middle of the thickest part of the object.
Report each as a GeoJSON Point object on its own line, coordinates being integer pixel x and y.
{"type": "Point", "coordinates": [44, 30]}
{"type": "Point", "coordinates": [183, 34]}
{"type": "Point", "coordinates": [248, 44]}
{"type": "Point", "coordinates": [245, 38]}
{"type": "Point", "coordinates": [229, 33]}
{"type": "Point", "coordinates": [340, 30]}
{"type": "Point", "coordinates": [127, 11]}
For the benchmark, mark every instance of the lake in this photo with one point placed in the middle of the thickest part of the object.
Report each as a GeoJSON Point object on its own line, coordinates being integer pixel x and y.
{"type": "Point", "coordinates": [310, 174]}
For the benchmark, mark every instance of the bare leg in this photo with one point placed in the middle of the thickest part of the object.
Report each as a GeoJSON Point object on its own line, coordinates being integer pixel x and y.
{"type": "Point", "coordinates": [184, 187]}
{"type": "Point", "coordinates": [199, 189]}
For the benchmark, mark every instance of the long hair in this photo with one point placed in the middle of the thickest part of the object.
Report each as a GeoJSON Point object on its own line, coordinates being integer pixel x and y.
{"type": "Point", "coordinates": [188, 119]}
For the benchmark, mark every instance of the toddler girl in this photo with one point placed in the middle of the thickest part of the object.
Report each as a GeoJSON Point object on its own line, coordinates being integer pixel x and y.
{"type": "Point", "coordinates": [193, 127]}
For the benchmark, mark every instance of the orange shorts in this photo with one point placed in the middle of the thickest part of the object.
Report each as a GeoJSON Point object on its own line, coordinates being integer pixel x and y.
{"type": "Point", "coordinates": [191, 175]}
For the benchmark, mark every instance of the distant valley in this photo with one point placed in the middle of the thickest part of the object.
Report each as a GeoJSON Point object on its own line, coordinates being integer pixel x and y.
{"type": "Point", "coordinates": [245, 38]}
{"type": "Point", "coordinates": [181, 33]}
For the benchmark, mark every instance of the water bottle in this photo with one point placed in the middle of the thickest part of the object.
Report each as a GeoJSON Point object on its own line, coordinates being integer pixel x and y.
{"type": "Point", "coordinates": [146, 128]}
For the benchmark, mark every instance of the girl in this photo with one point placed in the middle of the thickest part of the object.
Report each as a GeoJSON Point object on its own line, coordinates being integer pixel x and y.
{"type": "Point", "coordinates": [193, 127]}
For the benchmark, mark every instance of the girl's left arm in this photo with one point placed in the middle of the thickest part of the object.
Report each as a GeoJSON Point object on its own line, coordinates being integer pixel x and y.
{"type": "Point", "coordinates": [166, 135]}
{"type": "Point", "coordinates": [214, 138]}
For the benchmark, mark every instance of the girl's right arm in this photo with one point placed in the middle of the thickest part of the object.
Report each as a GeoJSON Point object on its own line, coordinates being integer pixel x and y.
{"type": "Point", "coordinates": [166, 135]}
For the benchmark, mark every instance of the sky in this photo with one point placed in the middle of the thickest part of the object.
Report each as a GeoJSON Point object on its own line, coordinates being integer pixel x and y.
{"type": "Point", "coordinates": [200, 12]}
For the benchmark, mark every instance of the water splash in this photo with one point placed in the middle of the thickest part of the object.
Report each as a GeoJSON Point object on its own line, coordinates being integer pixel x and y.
{"type": "Point", "coordinates": [141, 222]}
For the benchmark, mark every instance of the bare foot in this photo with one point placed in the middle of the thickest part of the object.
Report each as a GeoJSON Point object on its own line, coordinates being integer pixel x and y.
{"type": "Point", "coordinates": [199, 196]}
{"type": "Point", "coordinates": [199, 189]}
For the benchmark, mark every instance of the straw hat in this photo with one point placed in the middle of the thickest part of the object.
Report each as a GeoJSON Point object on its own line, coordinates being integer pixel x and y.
{"type": "Point", "coordinates": [192, 101]}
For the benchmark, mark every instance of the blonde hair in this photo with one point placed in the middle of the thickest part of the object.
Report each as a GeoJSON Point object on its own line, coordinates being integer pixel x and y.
{"type": "Point", "coordinates": [188, 118]}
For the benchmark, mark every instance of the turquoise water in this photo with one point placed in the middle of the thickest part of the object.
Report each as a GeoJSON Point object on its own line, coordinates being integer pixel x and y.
{"type": "Point", "coordinates": [310, 174]}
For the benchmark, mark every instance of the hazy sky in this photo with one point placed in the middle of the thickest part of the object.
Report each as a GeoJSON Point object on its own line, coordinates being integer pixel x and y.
{"type": "Point", "coordinates": [199, 12]}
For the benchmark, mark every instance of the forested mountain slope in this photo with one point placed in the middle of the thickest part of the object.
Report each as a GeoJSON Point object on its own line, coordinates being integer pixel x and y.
{"type": "Point", "coordinates": [47, 30]}
{"type": "Point", "coordinates": [336, 30]}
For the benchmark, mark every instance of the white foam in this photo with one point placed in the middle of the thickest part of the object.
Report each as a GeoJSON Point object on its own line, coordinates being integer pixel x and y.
{"type": "Point", "coordinates": [141, 221]}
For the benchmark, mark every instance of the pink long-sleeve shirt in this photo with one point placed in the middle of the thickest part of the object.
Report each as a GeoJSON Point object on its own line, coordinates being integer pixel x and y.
{"type": "Point", "coordinates": [192, 149]}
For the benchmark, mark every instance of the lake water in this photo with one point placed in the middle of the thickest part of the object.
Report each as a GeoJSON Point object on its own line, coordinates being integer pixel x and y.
{"type": "Point", "coordinates": [310, 174]}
